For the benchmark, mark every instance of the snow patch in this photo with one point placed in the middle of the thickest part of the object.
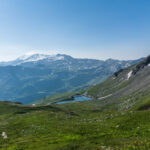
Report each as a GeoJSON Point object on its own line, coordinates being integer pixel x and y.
{"type": "Point", "coordinates": [129, 75]}
{"type": "Point", "coordinates": [37, 57]}
{"type": "Point", "coordinates": [148, 65]}
{"type": "Point", "coordinates": [100, 98]}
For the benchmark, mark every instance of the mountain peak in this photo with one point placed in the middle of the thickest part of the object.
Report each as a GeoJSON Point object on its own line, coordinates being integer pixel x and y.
{"type": "Point", "coordinates": [37, 57]}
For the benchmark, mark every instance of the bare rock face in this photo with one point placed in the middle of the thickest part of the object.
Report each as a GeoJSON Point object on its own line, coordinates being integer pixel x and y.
{"type": "Point", "coordinates": [141, 65]}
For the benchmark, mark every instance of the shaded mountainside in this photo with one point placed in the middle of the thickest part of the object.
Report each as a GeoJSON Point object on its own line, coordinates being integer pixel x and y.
{"type": "Point", "coordinates": [29, 78]}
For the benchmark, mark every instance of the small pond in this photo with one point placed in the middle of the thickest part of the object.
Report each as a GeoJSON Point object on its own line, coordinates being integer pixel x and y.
{"type": "Point", "coordinates": [76, 99]}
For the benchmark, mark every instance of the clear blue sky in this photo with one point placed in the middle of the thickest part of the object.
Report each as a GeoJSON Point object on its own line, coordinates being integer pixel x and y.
{"type": "Point", "coordinates": [82, 28]}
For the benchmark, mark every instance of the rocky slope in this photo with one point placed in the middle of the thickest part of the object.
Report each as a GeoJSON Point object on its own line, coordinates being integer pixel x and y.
{"type": "Point", "coordinates": [130, 85]}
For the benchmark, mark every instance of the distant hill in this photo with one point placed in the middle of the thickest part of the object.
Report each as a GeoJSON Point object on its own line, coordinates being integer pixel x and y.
{"type": "Point", "coordinates": [32, 77]}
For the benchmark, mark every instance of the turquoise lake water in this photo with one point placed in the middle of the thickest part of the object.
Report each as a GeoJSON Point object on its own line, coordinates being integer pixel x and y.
{"type": "Point", "coordinates": [76, 99]}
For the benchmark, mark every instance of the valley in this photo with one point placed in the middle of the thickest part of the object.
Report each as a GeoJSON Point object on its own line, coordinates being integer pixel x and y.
{"type": "Point", "coordinates": [32, 77]}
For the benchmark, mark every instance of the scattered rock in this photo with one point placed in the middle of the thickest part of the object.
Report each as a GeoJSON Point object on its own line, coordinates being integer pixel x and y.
{"type": "Point", "coordinates": [4, 135]}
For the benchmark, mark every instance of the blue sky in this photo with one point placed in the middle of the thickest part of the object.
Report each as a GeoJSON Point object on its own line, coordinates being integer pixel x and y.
{"type": "Point", "coordinates": [99, 29]}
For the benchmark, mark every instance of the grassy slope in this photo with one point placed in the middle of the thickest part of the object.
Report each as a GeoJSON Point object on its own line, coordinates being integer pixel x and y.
{"type": "Point", "coordinates": [111, 85]}
{"type": "Point", "coordinates": [85, 125]}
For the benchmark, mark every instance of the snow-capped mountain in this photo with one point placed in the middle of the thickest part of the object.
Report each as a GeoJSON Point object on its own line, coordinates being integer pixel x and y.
{"type": "Point", "coordinates": [37, 57]}
{"type": "Point", "coordinates": [32, 77]}
{"type": "Point", "coordinates": [32, 58]}
{"type": "Point", "coordinates": [62, 61]}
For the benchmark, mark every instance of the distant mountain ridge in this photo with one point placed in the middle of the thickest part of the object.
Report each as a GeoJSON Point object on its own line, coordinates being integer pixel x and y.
{"type": "Point", "coordinates": [43, 58]}
{"type": "Point", "coordinates": [32, 77]}
{"type": "Point", "coordinates": [32, 58]}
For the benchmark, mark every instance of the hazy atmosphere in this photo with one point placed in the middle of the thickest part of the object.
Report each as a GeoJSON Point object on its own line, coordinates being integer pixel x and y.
{"type": "Point", "coordinates": [98, 29]}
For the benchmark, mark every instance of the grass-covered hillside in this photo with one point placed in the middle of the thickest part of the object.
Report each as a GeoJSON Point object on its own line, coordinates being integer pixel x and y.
{"type": "Point", "coordinates": [124, 82]}
{"type": "Point", "coordinates": [118, 118]}
{"type": "Point", "coordinates": [83, 125]}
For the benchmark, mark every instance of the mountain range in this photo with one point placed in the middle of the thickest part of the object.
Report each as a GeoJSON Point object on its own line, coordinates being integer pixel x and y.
{"type": "Point", "coordinates": [117, 117]}
{"type": "Point", "coordinates": [31, 77]}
